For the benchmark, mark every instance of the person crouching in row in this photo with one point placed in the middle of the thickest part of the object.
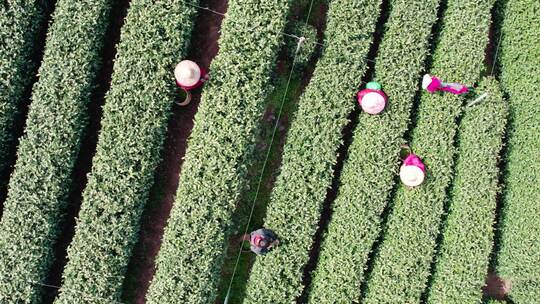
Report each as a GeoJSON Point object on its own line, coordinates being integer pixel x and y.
{"type": "Point", "coordinates": [189, 76]}
{"type": "Point", "coordinates": [261, 241]}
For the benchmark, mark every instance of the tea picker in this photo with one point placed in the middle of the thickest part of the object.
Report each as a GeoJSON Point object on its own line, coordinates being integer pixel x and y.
{"type": "Point", "coordinates": [372, 99]}
{"type": "Point", "coordinates": [433, 84]}
{"type": "Point", "coordinates": [189, 76]}
{"type": "Point", "coordinates": [413, 171]}
{"type": "Point", "coordinates": [261, 241]}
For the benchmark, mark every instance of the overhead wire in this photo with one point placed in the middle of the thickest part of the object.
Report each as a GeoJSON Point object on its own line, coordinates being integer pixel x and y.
{"type": "Point", "coordinates": [496, 54]}
{"type": "Point", "coordinates": [301, 40]}
{"type": "Point", "coordinates": [85, 296]}
{"type": "Point", "coordinates": [233, 21]}
{"type": "Point", "coordinates": [305, 40]}
{"type": "Point", "coordinates": [267, 157]}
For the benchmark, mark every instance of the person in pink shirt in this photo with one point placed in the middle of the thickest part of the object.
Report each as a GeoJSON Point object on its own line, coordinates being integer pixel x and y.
{"type": "Point", "coordinates": [433, 84]}
{"type": "Point", "coordinates": [372, 99]}
{"type": "Point", "coordinates": [413, 171]}
{"type": "Point", "coordinates": [189, 76]}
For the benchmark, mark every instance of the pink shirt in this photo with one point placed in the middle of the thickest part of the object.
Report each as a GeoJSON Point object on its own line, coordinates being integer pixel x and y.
{"type": "Point", "coordinates": [204, 77]}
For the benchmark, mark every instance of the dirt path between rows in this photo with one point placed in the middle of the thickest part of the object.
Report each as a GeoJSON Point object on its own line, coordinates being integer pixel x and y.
{"type": "Point", "coordinates": [204, 47]}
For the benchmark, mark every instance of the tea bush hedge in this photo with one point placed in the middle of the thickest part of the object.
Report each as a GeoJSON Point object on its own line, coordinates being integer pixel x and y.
{"type": "Point", "coordinates": [519, 256]}
{"type": "Point", "coordinates": [402, 263]}
{"type": "Point", "coordinates": [310, 151]}
{"type": "Point", "coordinates": [47, 152]}
{"type": "Point", "coordinates": [189, 262]}
{"type": "Point", "coordinates": [137, 107]}
{"type": "Point", "coordinates": [21, 23]}
{"type": "Point", "coordinates": [462, 262]}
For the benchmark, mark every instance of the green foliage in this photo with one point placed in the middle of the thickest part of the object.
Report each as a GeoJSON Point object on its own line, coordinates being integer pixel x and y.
{"type": "Point", "coordinates": [462, 264]}
{"type": "Point", "coordinates": [401, 266]}
{"type": "Point", "coordinates": [369, 172]}
{"type": "Point", "coordinates": [292, 90]}
{"type": "Point", "coordinates": [301, 29]}
{"type": "Point", "coordinates": [47, 152]}
{"type": "Point", "coordinates": [519, 256]}
{"type": "Point", "coordinates": [154, 38]}
{"type": "Point", "coordinates": [20, 24]}
{"type": "Point", "coordinates": [188, 265]}
{"type": "Point", "coordinates": [311, 151]}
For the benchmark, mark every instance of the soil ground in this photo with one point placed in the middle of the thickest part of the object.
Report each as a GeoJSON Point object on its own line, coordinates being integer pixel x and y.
{"type": "Point", "coordinates": [204, 47]}
{"type": "Point", "coordinates": [496, 287]}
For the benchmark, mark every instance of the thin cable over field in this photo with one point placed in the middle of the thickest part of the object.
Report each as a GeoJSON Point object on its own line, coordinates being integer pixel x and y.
{"type": "Point", "coordinates": [85, 296]}
{"type": "Point", "coordinates": [230, 20]}
{"type": "Point", "coordinates": [204, 8]}
{"type": "Point", "coordinates": [324, 44]}
{"type": "Point", "coordinates": [301, 40]}
{"type": "Point", "coordinates": [496, 53]}
{"type": "Point", "coordinates": [264, 166]}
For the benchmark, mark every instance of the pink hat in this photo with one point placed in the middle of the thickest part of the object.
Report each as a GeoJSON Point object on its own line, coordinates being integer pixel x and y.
{"type": "Point", "coordinates": [373, 102]}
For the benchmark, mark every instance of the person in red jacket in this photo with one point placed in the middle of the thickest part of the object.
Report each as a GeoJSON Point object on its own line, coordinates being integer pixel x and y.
{"type": "Point", "coordinates": [189, 76]}
{"type": "Point", "coordinates": [261, 241]}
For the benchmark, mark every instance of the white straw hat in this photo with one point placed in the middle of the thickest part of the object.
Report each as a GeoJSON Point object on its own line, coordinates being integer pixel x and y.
{"type": "Point", "coordinates": [426, 81]}
{"type": "Point", "coordinates": [187, 73]}
{"type": "Point", "coordinates": [411, 176]}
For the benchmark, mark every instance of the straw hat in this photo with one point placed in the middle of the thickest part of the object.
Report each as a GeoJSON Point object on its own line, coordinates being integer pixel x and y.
{"type": "Point", "coordinates": [373, 103]}
{"type": "Point", "coordinates": [426, 81]}
{"type": "Point", "coordinates": [187, 73]}
{"type": "Point", "coordinates": [411, 176]}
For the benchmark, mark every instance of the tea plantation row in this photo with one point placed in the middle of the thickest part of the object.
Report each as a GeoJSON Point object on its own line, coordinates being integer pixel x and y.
{"type": "Point", "coordinates": [436, 242]}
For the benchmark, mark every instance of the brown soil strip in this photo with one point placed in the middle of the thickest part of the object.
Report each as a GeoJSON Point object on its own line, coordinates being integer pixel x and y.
{"type": "Point", "coordinates": [141, 269]}
{"type": "Point", "coordinates": [83, 163]}
{"type": "Point", "coordinates": [497, 287]}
